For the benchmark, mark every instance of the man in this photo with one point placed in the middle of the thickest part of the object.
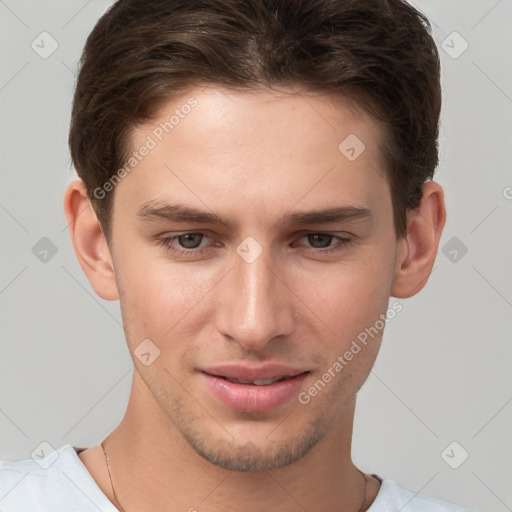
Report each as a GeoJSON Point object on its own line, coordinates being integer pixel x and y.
{"type": "Point", "coordinates": [255, 184]}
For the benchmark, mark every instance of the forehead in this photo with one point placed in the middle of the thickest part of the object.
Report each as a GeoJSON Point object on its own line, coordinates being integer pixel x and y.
{"type": "Point", "coordinates": [266, 148]}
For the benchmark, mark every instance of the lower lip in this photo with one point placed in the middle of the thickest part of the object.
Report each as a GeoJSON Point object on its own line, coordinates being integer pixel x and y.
{"type": "Point", "coordinates": [252, 398]}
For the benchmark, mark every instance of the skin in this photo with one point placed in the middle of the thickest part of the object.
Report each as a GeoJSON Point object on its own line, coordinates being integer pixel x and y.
{"type": "Point", "coordinates": [251, 158]}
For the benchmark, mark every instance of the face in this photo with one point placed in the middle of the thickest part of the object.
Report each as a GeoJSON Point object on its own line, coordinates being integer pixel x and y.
{"type": "Point", "coordinates": [248, 245]}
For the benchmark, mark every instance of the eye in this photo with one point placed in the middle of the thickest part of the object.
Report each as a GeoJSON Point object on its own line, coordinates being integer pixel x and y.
{"type": "Point", "coordinates": [190, 240]}
{"type": "Point", "coordinates": [184, 243]}
{"type": "Point", "coordinates": [322, 242]}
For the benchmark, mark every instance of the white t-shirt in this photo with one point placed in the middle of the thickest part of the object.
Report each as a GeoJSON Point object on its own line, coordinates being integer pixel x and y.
{"type": "Point", "coordinates": [60, 482]}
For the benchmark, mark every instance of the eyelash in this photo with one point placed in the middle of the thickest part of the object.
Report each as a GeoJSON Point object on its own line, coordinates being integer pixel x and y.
{"type": "Point", "coordinates": [166, 243]}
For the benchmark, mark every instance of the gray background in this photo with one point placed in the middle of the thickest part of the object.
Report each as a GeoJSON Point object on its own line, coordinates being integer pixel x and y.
{"type": "Point", "coordinates": [443, 374]}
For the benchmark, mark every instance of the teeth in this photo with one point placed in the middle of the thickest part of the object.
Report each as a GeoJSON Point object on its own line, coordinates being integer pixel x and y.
{"type": "Point", "coordinates": [265, 382]}
{"type": "Point", "coordinates": [238, 381]}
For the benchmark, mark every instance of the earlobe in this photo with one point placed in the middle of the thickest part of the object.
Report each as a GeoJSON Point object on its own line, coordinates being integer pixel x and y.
{"type": "Point", "coordinates": [417, 251]}
{"type": "Point", "coordinates": [89, 242]}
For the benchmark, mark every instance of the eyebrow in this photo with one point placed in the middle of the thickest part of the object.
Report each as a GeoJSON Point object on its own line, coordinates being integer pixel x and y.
{"type": "Point", "coordinates": [154, 211]}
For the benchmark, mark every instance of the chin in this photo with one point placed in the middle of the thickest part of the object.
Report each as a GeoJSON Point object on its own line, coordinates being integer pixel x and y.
{"type": "Point", "coordinates": [263, 454]}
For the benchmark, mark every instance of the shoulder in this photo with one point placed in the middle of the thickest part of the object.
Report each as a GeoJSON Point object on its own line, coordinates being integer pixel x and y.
{"type": "Point", "coordinates": [393, 498]}
{"type": "Point", "coordinates": [23, 482]}
{"type": "Point", "coordinates": [56, 481]}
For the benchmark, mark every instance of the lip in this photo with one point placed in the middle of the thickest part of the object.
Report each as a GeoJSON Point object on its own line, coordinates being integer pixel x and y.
{"type": "Point", "coordinates": [268, 371]}
{"type": "Point", "coordinates": [250, 397]}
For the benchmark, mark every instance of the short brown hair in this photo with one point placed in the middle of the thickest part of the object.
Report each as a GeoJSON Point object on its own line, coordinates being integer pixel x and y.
{"type": "Point", "coordinates": [379, 53]}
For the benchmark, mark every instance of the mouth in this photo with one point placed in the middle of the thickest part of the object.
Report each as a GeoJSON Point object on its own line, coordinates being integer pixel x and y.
{"type": "Point", "coordinates": [256, 382]}
{"type": "Point", "coordinates": [254, 394]}
{"type": "Point", "coordinates": [264, 382]}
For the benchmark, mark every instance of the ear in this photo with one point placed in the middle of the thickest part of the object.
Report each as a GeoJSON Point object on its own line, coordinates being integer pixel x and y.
{"type": "Point", "coordinates": [89, 242]}
{"type": "Point", "coordinates": [418, 249]}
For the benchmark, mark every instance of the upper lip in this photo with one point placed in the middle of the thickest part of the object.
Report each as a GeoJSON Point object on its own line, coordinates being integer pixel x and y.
{"type": "Point", "coordinates": [268, 371]}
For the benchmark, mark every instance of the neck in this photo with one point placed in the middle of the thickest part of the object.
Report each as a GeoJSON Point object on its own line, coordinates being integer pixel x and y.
{"type": "Point", "coordinates": [154, 467]}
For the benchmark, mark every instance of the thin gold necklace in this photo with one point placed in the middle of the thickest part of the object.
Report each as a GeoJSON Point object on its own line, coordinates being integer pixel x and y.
{"type": "Point", "coordinates": [361, 509]}
{"type": "Point", "coordinates": [111, 479]}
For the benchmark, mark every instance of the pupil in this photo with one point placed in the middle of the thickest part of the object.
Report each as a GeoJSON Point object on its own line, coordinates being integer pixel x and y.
{"type": "Point", "coordinates": [320, 237]}
{"type": "Point", "coordinates": [188, 241]}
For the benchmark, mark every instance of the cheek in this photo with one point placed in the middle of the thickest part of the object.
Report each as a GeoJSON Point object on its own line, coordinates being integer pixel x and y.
{"type": "Point", "coordinates": [156, 297]}
{"type": "Point", "coordinates": [348, 298]}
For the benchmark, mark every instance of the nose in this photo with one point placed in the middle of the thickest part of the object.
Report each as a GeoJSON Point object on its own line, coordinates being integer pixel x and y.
{"type": "Point", "coordinates": [255, 305]}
